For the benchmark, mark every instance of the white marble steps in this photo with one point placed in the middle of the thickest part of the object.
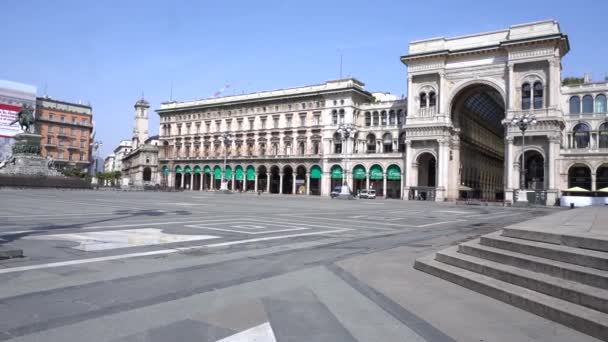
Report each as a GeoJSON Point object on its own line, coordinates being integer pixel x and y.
{"type": "Point", "coordinates": [581, 318]}
{"type": "Point", "coordinates": [572, 255]}
{"type": "Point", "coordinates": [568, 290]}
{"type": "Point", "coordinates": [598, 242]}
{"type": "Point", "coordinates": [564, 270]}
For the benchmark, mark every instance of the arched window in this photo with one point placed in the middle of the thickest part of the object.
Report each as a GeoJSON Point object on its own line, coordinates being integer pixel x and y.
{"type": "Point", "coordinates": [600, 103]}
{"type": "Point", "coordinates": [391, 118]}
{"type": "Point", "coordinates": [302, 148]}
{"type": "Point", "coordinates": [581, 136]}
{"type": "Point", "coordinates": [262, 149]}
{"type": "Point", "coordinates": [341, 116]}
{"type": "Point", "coordinates": [371, 143]}
{"type": "Point", "coordinates": [376, 119]}
{"type": "Point", "coordinates": [603, 135]}
{"type": "Point", "coordinates": [402, 142]}
{"type": "Point", "coordinates": [337, 143]}
{"type": "Point", "coordinates": [422, 100]}
{"type": "Point", "coordinates": [275, 149]}
{"type": "Point", "coordinates": [526, 95]}
{"type": "Point", "coordinates": [288, 149]}
{"type": "Point", "coordinates": [334, 117]}
{"type": "Point", "coordinates": [315, 147]}
{"type": "Point", "coordinates": [432, 99]}
{"type": "Point", "coordinates": [575, 105]}
{"type": "Point", "coordinates": [538, 95]}
{"type": "Point", "coordinates": [587, 104]}
{"type": "Point", "coordinates": [400, 117]}
{"type": "Point", "coordinates": [387, 143]}
{"type": "Point", "coordinates": [368, 119]}
{"type": "Point", "coordinates": [383, 116]}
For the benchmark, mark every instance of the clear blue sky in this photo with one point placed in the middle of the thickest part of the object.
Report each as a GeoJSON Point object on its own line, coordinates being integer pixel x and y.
{"type": "Point", "coordinates": [109, 52]}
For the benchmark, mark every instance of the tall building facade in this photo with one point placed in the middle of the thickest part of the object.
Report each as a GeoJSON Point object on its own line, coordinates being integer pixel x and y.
{"type": "Point", "coordinates": [67, 132]}
{"type": "Point", "coordinates": [457, 140]}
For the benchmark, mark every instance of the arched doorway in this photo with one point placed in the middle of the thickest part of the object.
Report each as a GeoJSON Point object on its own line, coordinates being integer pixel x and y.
{"type": "Point", "coordinates": [250, 178]}
{"type": "Point", "coordinates": [228, 177]}
{"type": "Point", "coordinates": [359, 178]}
{"type": "Point", "coordinates": [287, 180]}
{"type": "Point", "coordinates": [427, 170]}
{"type": "Point", "coordinates": [239, 178]}
{"type": "Point", "coordinates": [376, 179]}
{"type": "Point", "coordinates": [601, 177]}
{"type": "Point", "coordinates": [178, 177]}
{"type": "Point", "coordinates": [315, 180]}
{"type": "Point", "coordinates": [336, 177]}
{"type": "Point", "coordinates": [206, 178]}
{"type": "Point", "coordinates": [393, 182]}
{"type": "Point", "coordinates": [301, 180]}
{"type": "Point", "coordinates": [187, 178]}
{"type": "Point", "coordinates": [147, 174]}
{"type": "Point", "coordinates": [478, 111]}
{"type": "Point", "coordinates": [217, 178]}
{"type": "Point", "coordinates": [275, 179]}
{"type": "Point", "coordinates": [262, 178]}
{"type": "Point", "coordinates": [534, 170]}
{"type": "Point", "coordinates": [579, 175]}
{"type": "Point", "coordinates": [197, 178]}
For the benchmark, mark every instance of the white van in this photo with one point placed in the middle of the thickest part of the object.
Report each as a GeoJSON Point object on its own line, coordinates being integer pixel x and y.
{"type": "Point", "coordinates": [368, 194]}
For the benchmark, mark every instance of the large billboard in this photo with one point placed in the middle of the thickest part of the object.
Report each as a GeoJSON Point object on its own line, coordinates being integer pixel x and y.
{"type": "Point", "coordinates": [13, 96]}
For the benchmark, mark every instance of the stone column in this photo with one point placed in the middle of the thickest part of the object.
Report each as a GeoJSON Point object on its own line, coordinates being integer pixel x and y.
{"type": "Point", "coordinates": [552, 159]}
{"type": "Point", "coordinates": [255, 182]}
{"type": "Point", "coordinates": [367, 180]}
{"type": "Point", "coordinates": [555, 82]}
{"type": "Point", "coordinates": [280, 183]}
{"type": "Point", "coordinates": [509, 167]}
{"type": "Point", "coordinates": [267, 182]}
{"type": "Point", "coordinates": [442, 92]}
{"type": "Point", "coordinates": [384, 185]}
{"type": "Point", "coordinates": [325, 184]}
{"type": "Point", "coordinates": [593, 185]}
{"type": "Point", "coordinates": [233, 179]}
{"type": "Point", "coordinates": [408, 163]}
{"type": "Point", "coordinates": [401, 185]}
{"type": "Point", "coordinates": [307, 183]}
{"type": "Point", "coordinates": [244, 181]}
{"type": "Point", "coordinates": [511, 94]}
{"type": "Point", "coordinates": [293, 184]}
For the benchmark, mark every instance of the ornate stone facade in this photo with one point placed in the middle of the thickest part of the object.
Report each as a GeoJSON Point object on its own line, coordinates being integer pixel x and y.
{"type": "Point", "coordinates": [457, 141]}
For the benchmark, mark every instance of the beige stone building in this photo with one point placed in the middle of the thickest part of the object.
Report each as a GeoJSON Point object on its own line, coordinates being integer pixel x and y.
{"type": "Point", "coordinates": [452, 138]}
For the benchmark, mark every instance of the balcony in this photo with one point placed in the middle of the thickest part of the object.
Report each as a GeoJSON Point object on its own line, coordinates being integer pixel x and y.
{"type": "Point", "coordinates": [63, 134]}
{"type": "Point", "coordinates": [50, 145]}
{"type": "Point", "coordinates": [74, 148]}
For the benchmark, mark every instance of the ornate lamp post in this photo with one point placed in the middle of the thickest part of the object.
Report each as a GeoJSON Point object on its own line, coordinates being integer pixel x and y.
{"type": "Point", "coordinates": [522, 123]}
{"type": "Point", "coordinates": [225, 138]}
{"type": "Point", "coordinates": [345, 131]}
{"type": "Point", "coordinates": [96, 145]}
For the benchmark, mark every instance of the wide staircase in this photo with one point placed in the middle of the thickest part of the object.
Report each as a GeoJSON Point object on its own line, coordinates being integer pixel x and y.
{"type": "Point", "coordinates": [558, 272]}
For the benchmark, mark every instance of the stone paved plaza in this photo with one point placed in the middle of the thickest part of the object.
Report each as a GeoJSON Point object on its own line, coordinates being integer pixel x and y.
{"type": "Point", "coordinates": [200, 266]}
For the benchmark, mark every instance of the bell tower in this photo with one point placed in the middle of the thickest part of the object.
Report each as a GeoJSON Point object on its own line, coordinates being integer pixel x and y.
{"type": "Point", "coordinates": [140, 128]}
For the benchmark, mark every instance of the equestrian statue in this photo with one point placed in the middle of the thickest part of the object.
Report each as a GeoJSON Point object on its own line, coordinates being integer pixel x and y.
{"type": "Point", "coordinates": [25, 118]}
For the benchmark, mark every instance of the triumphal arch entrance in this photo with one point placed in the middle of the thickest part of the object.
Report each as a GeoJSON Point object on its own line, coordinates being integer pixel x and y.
{"type": "Point", "coordinates": [463, 94]}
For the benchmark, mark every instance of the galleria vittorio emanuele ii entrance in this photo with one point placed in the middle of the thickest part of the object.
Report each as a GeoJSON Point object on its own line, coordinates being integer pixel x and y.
{"type": "Point", "coordinates": [477, 114]}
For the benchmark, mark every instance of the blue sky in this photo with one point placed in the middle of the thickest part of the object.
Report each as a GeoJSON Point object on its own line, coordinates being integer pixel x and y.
{"type": "Point", "coordinates": [109, 52]}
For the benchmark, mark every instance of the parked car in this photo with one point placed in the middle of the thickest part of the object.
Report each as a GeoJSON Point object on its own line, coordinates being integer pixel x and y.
{"type": "Point", "coordinates": [336, 191]}
{"type": "Point", "coordinates": [368, 194]}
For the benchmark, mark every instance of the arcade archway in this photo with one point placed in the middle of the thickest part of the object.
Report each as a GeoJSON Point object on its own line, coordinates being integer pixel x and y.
{"type": "Point", "coordinates": [478, 111]}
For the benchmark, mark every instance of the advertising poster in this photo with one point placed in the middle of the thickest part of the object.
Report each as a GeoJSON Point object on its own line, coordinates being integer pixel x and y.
{"type": "Point", "coordinates": [12, 97]}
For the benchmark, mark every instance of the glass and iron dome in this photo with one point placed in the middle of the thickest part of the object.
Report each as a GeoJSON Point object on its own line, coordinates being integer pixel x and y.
{"type": "Point", "coordinates": [488, 105]}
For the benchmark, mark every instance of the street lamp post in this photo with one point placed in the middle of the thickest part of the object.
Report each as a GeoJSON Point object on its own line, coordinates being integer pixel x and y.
{"type": "Point", "coordinates": [345, 131]}
{"type": "Point", "coordinates": [225, 138]}
{"type": "Point", "coordinates": [523, 123]}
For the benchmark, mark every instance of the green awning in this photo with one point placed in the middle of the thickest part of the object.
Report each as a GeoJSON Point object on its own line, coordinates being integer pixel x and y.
{"type": "Point", "coordinates": [197, 169]}
{"type": "Point", "coordinates": [359, 172]}
{"type": "Point", "coordinates": [250, 173]}
{"type": "Point", "coordinates": [165, 170]}
{"type": "Point", "coordinates": [238, 173]}
{"type": "Point", "coordinates": [217, 173]}
{"type": "Point", "coordinates": [187, 169]}
{"type": "Point", "coordinates": [207, 169]}
{"type": "Point", "coordinates": [393, 173]}
{"type": "Point", "coordinates": [336, 172]}
{"type": "Point", "coordinates": [228, 174]}
{"type": "Point", "coordinates": [315, 172]}
{"type": "Point", "coordinates": [178, 169]}
{"type": "Point", "coordinates": [375, 172]}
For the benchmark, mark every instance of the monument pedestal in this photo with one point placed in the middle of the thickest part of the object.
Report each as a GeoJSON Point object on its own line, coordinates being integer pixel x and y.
{"type": "Point", "coordinates": [26, 159]}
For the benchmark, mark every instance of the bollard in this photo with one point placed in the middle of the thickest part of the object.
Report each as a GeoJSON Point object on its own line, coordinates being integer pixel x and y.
{"type": "Point", "coordinates": [571, 205]}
